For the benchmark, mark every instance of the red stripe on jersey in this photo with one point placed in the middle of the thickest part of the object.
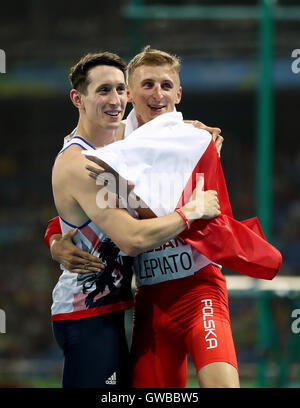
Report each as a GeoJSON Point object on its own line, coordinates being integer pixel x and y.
{"type": "Point", "coordinates": [90, 234]}
{"type": "Point", "coordinates": [94, 311]}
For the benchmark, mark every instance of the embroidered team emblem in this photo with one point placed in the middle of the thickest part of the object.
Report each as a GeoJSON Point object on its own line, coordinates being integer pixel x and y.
{"type": "Point", "coordinates": [106, 281]}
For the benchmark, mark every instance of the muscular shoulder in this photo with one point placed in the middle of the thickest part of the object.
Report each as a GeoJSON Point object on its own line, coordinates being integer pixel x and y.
{"type": "Point", "coordinates": [70, 165]}
{"type": "Point", "coordinates": [71, 182]}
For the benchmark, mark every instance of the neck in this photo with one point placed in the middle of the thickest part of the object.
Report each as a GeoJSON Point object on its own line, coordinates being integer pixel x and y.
{"type": "Point", "coordinates": [140, 121]}
{"type": "Point", "coordinates": [95, 135]}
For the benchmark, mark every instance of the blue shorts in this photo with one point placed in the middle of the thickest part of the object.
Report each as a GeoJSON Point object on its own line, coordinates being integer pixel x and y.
{"type": "Point", "coordinates": [95, 351]}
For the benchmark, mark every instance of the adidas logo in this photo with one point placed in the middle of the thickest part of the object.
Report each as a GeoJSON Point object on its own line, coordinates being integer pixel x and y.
{"type": "Point", "coordinates": [112, 380]}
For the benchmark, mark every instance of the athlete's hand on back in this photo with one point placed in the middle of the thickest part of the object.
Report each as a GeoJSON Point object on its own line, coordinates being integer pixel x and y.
{"type": "Point", "coordinates": [202, 204]}
{"type": "Point", "coordinates": [102, 174]}
{"type": "Point", "coordinates": [215, 132]}
{"type": "Point", "coordinates": [73, 258]}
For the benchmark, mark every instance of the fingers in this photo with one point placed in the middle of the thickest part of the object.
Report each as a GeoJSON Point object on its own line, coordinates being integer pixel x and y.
{"type": "Point", "coordinates": [198, 124]}
{"type": "Point", "coordinates": [99, 162]}
{"type": "Point", "coordinates": [95, 173]}
{"type": "Point", "coordinates": [217, 204]}
{"type": "Point", "coordinates": [85, 256]}
{"type": "Point", "coordinates": [215, 132]}
{"type": "Point", "coordinates": [78, 256]}
{"type": "Point", "coordinates": [82, 270]}
{"type": "Point", "coordinates": [104, 166]}
{"type": "Point", "coordinates": [69, 235]}
{"type": "Point", "coordinates": [93, 176]}
{"type": "Point", "coordinates": [94, 170]}
{"type": "Point", "coordinates": [213, 195]}
{"type": "Point", "coordinates": [212, 206]}
{"type": "Point", "coordinates": [73, 258]}
{"type": "Point", "coordinates": [219, 142]}
{"type": "Point", "coordinates": [78, 264]}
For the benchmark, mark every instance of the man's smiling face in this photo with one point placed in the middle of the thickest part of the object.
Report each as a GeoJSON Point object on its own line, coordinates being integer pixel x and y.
{"type": "Point", "coordinates": [105, 100]}
{"type": "Point", "coordinates": [153, 90]}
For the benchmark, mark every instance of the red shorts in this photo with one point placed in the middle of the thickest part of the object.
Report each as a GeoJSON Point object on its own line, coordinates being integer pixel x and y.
{"type": "Point", "coordinates": [176, 318]}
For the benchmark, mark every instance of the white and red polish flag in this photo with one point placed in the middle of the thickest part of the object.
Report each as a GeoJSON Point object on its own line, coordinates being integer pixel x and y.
{"type": "Point", "coordinates": [163, 159]}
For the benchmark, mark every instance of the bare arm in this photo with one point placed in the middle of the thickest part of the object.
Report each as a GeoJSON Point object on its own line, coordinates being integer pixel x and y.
{"type": "Point", "coordinates": [131, 235]}
{"type": "Point", "coordinates": [136, 236]}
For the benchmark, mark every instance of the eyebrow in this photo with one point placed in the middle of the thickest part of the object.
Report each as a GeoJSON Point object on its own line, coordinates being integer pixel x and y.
{"type": "Point", "coordinates": [147, 79]}
{"type": "Point", "coordinates": [162, 80]}
{"type": "Point", "coordinates": [169, 81]}
{"type": "Point", "coordinates": [110, 85]}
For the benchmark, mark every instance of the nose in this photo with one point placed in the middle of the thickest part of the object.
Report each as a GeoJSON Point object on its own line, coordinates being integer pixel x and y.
{"type": "Point", "coordinates": [114, 97]}
{"type": "Point", "coordinates": [157, 92]}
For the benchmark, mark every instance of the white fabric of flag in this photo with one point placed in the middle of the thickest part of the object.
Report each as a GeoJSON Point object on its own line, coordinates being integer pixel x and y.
{"type": "Point", "coordinates": [158, 157]}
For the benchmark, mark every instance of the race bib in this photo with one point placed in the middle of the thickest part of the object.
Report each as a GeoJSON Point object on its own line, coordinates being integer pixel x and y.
{"type": "Point", "coordinates": [170, 263]}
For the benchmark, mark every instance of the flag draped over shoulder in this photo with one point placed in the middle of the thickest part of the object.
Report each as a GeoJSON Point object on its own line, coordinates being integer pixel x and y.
{"type": "Point", "coordinates": [163, 159]}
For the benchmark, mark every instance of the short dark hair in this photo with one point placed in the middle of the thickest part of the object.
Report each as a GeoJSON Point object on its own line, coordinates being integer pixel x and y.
{"type": "Point", "coordinates": [79, 72]}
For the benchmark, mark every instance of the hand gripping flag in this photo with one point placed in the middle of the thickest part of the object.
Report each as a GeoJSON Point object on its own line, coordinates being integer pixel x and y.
{"type": "Point", "coordinates": [163, 159]}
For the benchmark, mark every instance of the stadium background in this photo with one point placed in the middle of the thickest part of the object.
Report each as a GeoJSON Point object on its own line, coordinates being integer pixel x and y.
{"type": "Point", "coordinates": [220, 76]}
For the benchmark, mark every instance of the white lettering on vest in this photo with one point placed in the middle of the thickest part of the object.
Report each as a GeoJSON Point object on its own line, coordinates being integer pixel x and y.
{"type": "Point", "coordinates": [209, 324]}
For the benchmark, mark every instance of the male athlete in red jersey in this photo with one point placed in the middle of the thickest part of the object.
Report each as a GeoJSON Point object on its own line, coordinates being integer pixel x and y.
{"type": "Point", "coordinates": [184, 316]}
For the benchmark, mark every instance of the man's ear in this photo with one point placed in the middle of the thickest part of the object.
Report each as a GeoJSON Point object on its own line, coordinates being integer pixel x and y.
{"type": "Point", "coordinates": [179, 95]}
{"type": "Point", "coordinates": [129, 98]}
{"type": "Point", "coordinates": [76, 98]}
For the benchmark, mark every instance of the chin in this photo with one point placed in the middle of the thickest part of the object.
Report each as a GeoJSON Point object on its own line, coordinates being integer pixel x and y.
{"type": "Point", "coordinates": [155, 114]}
{"type": "Point", "coordinates": [113, 126]}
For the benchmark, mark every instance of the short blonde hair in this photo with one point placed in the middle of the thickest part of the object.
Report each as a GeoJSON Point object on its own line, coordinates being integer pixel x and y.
{"type": "Point", "coordinates": [151, 56]}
